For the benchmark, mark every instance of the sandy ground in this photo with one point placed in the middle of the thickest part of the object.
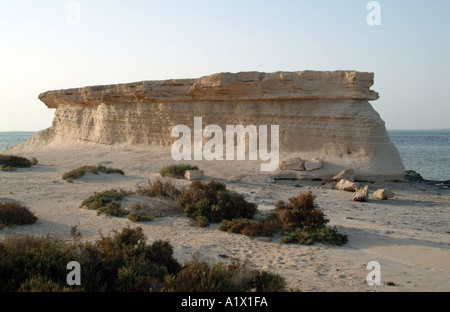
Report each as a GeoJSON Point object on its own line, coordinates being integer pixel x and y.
{"type": "Point", "coordinates": [408, 235]}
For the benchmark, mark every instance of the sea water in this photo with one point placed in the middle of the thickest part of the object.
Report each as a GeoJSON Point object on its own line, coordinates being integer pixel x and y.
{"type": "Point", "coordinates": [424, 151]}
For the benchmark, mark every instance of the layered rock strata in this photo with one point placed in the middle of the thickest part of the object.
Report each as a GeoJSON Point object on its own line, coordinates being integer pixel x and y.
{"type": "Point", "coordinates": [321, 114]}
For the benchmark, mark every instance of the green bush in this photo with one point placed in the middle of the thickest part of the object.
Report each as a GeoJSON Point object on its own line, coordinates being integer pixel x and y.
{"type": "Point", "coordinates": [214, 202]}
{"type": "Point", "coordinates": [301, 221]}
{"type": "Point", "coordinates": [79, 172]}
{"type": "Point", "coordinates": [176, 171]}
{"type": "Point", "coordinates": [325, 235]}
{"type": "Point", "coordinates": [41, 284]}
{"type": "Point", "coordinates": [15, 214]}
{"type": "Point", "coordinates": [14, 161]}
{"type": "Point", "coordinates": [159, 188]}
{"type": "Point", "coordinates": [234, 226]}
{"type": "Point", "coordinates": [107, 202]}
{"type": "Point", "coordinates": [268, 226]}
{"type": "Point", "coordinates": [253, 229]}
{"type": "Point", "coordinates": [121, 262]}
{"type": "Point", "coordinates": [8, 168]}
{"type": "Point", "coordinates": [202, 221]}
{"type": "Point", "coordinates": [24, 257]}
{"type": "Point", "coordinates": [198, 276]}
{"type": "Point", "coordinates": [135, 217]}
{"type": "Point", "coordinates": [301, 211]}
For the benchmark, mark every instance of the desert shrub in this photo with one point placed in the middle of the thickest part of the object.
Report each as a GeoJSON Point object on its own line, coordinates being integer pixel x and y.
{"type": "Point", "coordinates": [298, 236]}
{"type": "Point", "coordinates": [15, 214]}
{"type": "Point", "coordinates": [24, 257]}
{"type": "Point", "coordinates": [202, 221]}
{"type": "Point", "coordinates": [268, 282]}
{"type": "Point", "coordinates": [270, 227]}
{"type": "Point", "coordinates": [198, 276]}
{"type": "Point", "coordinates": [253, 229]}
{"type": "Point", "coordinates": [107, 202]}
{"type": "Point", "coordinates": [301, 211]}
{"type": "Point", "coordinates": [160, 188]}
{"type": "Point", "coordinates": [79, 172]}
{"type": "Point", "coordinates": [8, 168]}
{"type": "Point", "coordinates": [14, 161]}
{"type": "Point", "coordinates": [234, 226]}
{"type": "Point", "coordinates": [124, 262]}
{"type": "Point", "coordinates": [325, 235]}
{"type": "Point", "coordinates": [213, 201]}
{"type": "Point", "coordinates": [299, 221]}
{"type": "Point", "coordinates": [40, 283]}
{"type": "Point", "coordinates": [176, 171]}
{"type": "Point", "coordinates": [135, 217]}
{"type": "Point", "coordinates": [121, 262]}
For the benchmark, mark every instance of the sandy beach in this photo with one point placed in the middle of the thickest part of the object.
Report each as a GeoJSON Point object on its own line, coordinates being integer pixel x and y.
{"type": "Point", "coordinates": [408, 235]}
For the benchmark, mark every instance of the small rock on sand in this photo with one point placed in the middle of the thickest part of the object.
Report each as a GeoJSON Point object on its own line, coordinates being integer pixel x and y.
{"type": "Point", "coordinates": [346, 185]}
{"type": "Point", "coordinates": [313, 164]}
{"type": "Point", "coordinates": [34, 161]}
{"type": "Point", "coordinates": [383, 194]}
{"type": "Point", "coordinates": [361, 194]}
{"type": "Point", "coordinates": [297, 164]}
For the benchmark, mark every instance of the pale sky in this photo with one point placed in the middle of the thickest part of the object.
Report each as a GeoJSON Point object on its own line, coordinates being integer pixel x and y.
{"type": "Point", "coordinates": [43, 47]}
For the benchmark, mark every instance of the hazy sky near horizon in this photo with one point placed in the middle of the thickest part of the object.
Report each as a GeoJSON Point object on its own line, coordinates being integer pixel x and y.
{"type": "Point", "coordinates": [125, 41]}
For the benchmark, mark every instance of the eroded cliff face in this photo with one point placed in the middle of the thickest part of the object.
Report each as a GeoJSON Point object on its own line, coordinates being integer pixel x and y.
{"type": "Point", "coordinates": [320, 114]}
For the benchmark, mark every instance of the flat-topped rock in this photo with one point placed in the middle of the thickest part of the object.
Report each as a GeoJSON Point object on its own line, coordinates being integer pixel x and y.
{"type": "Point", "coordinates": [320, 114]}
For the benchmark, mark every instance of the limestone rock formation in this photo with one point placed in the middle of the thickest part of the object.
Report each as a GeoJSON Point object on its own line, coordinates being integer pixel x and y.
{"type": "Point", "coordinates": [321, 114]}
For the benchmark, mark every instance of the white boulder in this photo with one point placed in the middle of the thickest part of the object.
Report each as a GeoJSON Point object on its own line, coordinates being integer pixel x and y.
{"type": "Point", "coordinates": [382, 194]}
{"type": "Point", "coordinates": [346, 185]}
{"type": "Point", "coordinates": [361, 194]}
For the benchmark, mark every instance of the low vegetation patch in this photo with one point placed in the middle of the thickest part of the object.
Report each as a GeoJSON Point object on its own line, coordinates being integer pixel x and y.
{"type": "Point", "coordinates": [81, 171]}
{"type": "Point", "coordinates": [15, 214]}
{"type": "Point", "coordinates": [8, 168]}
{"type": "Point", "coordinates": [299, 221]}
{"type": "Point", "coordinates": [199, 276]}
{"type": "Point", "coordinates": [176, 171]}
{"type": "Point", "coordinates": [11, 162]}
{"type": "Point", "coordinates": [161, 189]}
{"type": "Point", "coordinates": [136, 217]}
{"type": "Point", "coordinates": [107, 202]}
{"type": "Point", "coordinates": [212, 202]}
{"type": "Point", "coordinates": [122, 262]}
{"type": "Point", "coordinates": [307, 236]}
